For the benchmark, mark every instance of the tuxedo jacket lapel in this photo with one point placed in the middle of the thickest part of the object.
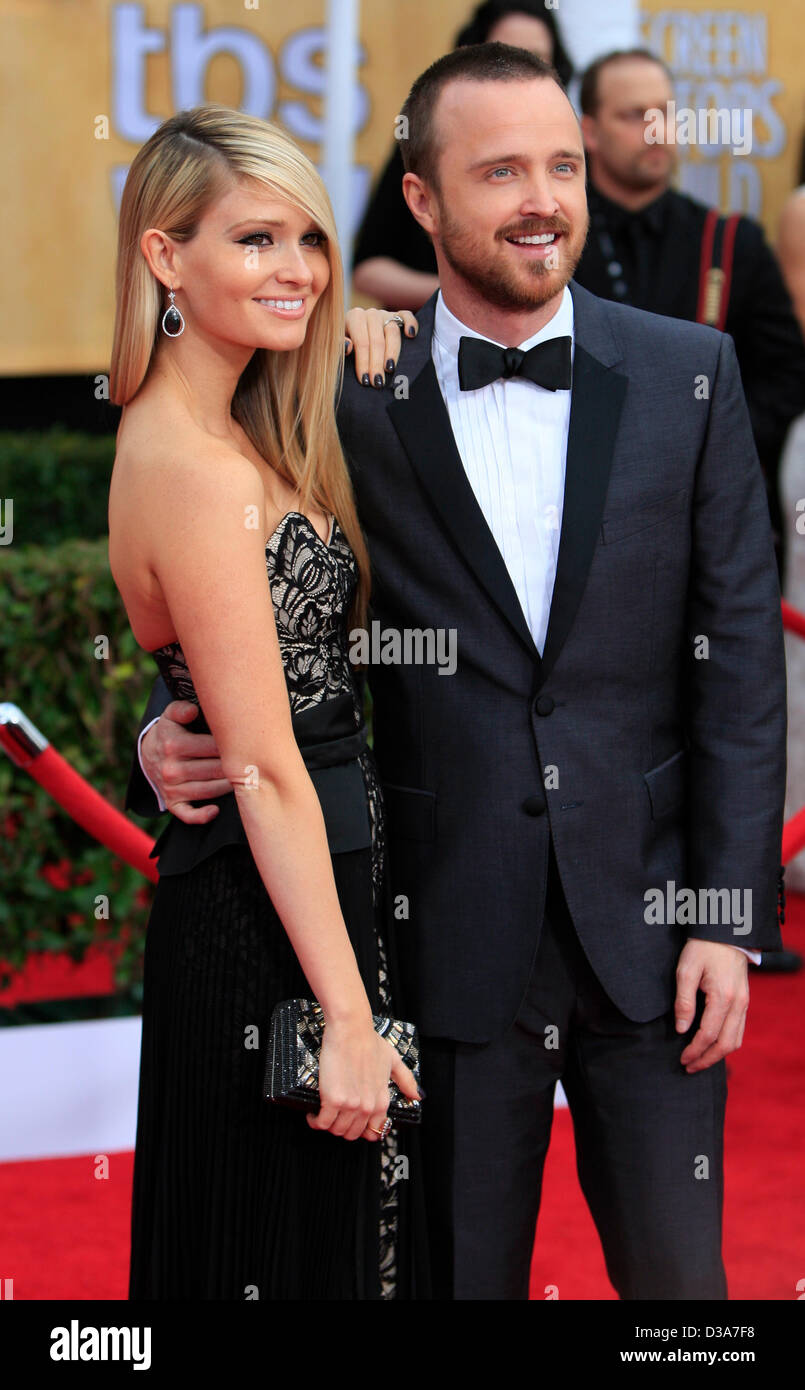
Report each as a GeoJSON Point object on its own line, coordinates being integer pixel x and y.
{"type": "Point", "coordinates": [423, 426]}
{"type": "Point", "coordinates": [595, 411]}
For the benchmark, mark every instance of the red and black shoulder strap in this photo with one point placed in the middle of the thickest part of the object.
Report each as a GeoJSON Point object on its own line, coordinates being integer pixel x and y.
{"type": "Point", "coordinates": [715, 268]}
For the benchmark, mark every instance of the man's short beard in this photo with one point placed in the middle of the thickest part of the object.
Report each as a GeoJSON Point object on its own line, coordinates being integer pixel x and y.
{"type": "Point", "coordinates": [496, 285]}
{"type": "Point", "coordinates": [637, 178]}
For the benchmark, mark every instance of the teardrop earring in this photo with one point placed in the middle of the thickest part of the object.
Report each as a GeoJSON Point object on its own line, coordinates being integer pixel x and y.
{"type": "Point", "coordinates": [172, 321]}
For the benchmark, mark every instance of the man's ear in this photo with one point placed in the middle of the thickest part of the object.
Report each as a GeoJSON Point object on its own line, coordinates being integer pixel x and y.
{"type": "Point", "coordinates": [420, 200]}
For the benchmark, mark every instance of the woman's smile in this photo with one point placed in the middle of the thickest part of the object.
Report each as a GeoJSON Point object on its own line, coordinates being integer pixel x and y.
{"type": "Point", "coordinates": [288, 308]}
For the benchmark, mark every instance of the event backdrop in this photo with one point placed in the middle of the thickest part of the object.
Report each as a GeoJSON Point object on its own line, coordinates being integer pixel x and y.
{"type": "Point", "coordinates": [86, 82]}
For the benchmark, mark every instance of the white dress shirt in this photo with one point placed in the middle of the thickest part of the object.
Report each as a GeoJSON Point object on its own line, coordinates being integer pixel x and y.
{"type": "Point", "coordinates": [512, 440]}
{"type": "Point", "coordinates": [160, 803]}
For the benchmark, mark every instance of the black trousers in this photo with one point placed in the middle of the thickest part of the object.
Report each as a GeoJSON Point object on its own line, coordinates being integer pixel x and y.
{"type": "Point", "coordinates": [649, 1137]}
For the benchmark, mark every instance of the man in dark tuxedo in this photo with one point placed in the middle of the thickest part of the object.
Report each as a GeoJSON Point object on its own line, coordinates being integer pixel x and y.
{"type": "Point", "coordinates": [585, 816]}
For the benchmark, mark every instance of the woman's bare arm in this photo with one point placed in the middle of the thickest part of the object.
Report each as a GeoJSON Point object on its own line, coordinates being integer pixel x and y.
{"type": "Point", "coordinates": [391, 282]}
{"type": "Point", "coordinates": [207, 549]}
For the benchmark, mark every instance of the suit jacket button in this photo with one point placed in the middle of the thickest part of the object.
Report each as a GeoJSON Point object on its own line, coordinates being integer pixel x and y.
{"type": "Point", "coordinates": [534, 806]}
{"type": "Point", "coordinates": [544, 705]}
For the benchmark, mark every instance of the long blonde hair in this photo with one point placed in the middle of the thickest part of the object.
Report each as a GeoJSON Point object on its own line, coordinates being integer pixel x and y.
{"type": "Point", "coordinates": [284, 401]}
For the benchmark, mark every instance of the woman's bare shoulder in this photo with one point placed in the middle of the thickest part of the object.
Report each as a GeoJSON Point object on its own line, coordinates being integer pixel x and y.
{"type": "Point", "coordinates": [165, 449]}
{"type": "Point", "coordinates": [177, 480]}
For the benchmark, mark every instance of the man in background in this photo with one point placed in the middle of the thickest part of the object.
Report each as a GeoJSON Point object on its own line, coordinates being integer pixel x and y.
{"type": "Point", "coordinates": [645, 248]}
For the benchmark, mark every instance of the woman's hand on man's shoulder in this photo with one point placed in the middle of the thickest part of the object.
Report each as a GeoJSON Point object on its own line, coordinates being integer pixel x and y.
{"type": "Point", "coordinates": [374, 340]}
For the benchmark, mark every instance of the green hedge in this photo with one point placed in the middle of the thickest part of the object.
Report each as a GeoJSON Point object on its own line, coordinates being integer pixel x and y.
{"type": "Point", "coordinates": [57, 598]}
{"type": "Point", "coordinates": [59, 483]}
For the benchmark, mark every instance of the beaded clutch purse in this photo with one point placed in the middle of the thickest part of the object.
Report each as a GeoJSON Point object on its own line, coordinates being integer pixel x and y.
{"type": "Point", "coordinates": [292, 1060]}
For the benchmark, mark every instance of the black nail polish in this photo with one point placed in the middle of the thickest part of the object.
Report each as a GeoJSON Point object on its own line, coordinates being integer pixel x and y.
{"type": "Point", "coordinates": [378, 379]}
{"type": "Point", "coordinates": [347, 344]}
{"type": "Point", "coordinates": [410, 331]}
{"type": "Point", "coordinates": [390, 365]}
{"type": "Point", "coordinates": [365, 379]}
{"type": "Point", "coordinates": [422, 1093]}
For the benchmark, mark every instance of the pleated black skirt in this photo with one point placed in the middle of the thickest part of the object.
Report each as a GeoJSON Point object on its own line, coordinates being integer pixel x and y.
{"type": "Point", "coordinates": [235, 1197]}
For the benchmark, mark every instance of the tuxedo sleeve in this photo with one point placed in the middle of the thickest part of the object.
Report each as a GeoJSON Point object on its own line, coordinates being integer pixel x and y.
{"type": "Point", "coordinates": [736, 685]}
{"type": "Point", "coordinates": [140, 794]}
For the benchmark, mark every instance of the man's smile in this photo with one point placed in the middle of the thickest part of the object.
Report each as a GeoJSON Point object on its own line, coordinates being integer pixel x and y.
{"type": "Point", "coordinates": [536, 246]}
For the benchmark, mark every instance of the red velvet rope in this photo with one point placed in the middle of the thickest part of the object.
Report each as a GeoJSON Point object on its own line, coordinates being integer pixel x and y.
{"type": "Point", "coordinates": [93, 812]}
{"type": "Point", "coordinates": [793, 620]}
{"type": "Point", "coordinates": [28, 748]}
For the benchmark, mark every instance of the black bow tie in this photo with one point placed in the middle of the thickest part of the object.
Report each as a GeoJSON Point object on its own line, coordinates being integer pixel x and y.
{"type": "Point", "coordinates": [548, 364]}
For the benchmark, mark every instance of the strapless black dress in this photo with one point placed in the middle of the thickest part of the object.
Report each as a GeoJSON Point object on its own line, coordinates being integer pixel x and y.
{"type": "Point", "coordinates": [233, 1197]}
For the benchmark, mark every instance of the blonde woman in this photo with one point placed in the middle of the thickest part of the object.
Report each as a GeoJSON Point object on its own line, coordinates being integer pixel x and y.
{"type": "Point", "coordinates": [234, 542]}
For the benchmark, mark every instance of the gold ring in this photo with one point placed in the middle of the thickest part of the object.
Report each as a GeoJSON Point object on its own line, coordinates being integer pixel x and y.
{"type": "Point", "coordinates": [376, 1131]}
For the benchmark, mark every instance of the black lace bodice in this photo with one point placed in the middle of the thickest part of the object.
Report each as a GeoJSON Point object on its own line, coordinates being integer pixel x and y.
{"type": "Point", "coordinates": [312, 586]}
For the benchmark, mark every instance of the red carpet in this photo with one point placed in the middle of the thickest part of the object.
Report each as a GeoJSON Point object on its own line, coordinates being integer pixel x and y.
{"type": "Point", "coordinates": [64, 1233]}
